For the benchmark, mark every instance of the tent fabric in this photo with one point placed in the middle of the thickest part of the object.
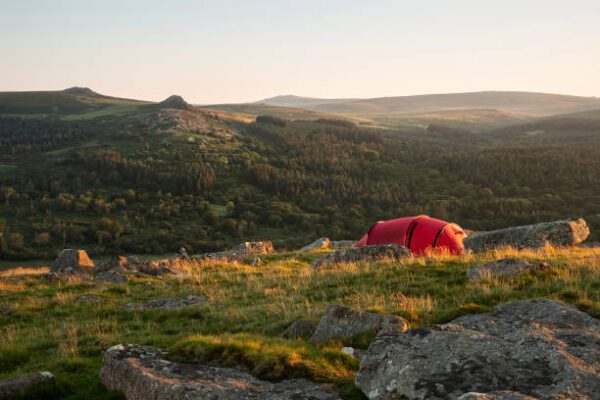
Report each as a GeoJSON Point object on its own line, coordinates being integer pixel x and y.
{"type": "Point", "coordinates": [420, 234]}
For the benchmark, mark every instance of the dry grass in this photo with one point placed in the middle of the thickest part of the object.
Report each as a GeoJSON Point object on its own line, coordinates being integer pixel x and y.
{"type": "Point", "coordinates": [250, 306]}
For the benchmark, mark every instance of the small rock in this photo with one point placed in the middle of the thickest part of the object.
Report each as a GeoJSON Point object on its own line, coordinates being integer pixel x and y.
{"type": "Point", "coordinates": [505, 267]}
{"type": "Point", "coordinates": [71, 261]}
{"type": "Point", "coordinates": [256, 262]}
{"type": "Point", "coordinates": [89, 298]}
{"type": "Point", "coordinates": [35, 385]}
{"type": "Point", "coordinates": [142, 372]}
{"type": "Point", "coordinates": [363, 254]}
{"type": "Point", "coordinates": [165, 304]}
{"type": "Point", "coordinates": [343, 322]}
{"type": "Point", "coordinates": [300, 329]}
{"type": "Point", "coordinates": [322, 243]}
{"type": "Point", "coordinates": [568, 232]}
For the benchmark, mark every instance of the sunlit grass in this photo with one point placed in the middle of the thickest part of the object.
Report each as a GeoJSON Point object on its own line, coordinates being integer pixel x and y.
{"type": "Point", "coordinates": [249, 307]}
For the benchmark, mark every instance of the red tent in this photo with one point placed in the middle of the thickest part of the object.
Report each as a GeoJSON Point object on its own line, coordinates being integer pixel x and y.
{"type": "Point", "coordinates": [420, 234]}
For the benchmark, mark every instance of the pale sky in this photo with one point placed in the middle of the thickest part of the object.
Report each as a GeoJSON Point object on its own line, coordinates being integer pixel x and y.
{"type": "Point", "coordinates": [240, 50]}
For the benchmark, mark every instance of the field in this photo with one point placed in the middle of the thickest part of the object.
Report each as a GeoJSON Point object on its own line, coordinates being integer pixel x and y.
{"type": "Point", "coordinates": [249, 307]}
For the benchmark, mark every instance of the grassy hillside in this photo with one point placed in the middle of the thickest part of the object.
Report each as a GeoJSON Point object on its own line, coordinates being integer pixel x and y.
{"type": "Point", "coordinates": [251, 306]}
{"type": "Point", "coordinates": [65, 102]}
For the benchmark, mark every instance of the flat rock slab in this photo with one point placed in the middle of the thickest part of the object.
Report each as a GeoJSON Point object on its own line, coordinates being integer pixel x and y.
{"type": "Point", "coordinates": [505, 267]}
{"type": "Point", "coordinates": [37, 385]}
{"type": "Point", "coordinates": [165, 304]}
{"type": "Point", "coordinates": [142, 373]}
{"type": "Point", "coordinates": [538, 348]}
{"type": "Point", "coordinates": [319, 244]}
{"type": "Point", "coordinates": [342, 322]}
{"type": "Point", "coordinates": [363, 254]}
{"type": "Point", "coordinates": [569, 232]}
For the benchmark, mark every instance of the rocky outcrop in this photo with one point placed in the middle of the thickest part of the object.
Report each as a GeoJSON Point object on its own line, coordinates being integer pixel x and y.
{"type": "Point", "coordinates": [300, 329]}
{"type": "Point", "coordinates": [505, 267]}
{"type": "Point", "coordinates": [71, 261]}
{"type": "Point", "coordinates": [243, 252]}
{"type": "Point", "coordinates": [343, 322]}
{"type": "Point", "coordinates": [118, 269]}
{"type": "Point", "coordinates": [363, 254]}
{"type": "Point", "coordinates": [319, 244]}
{"type": "Point", "coordinates": [38, 385]}
{"type": "Point", "coordinates": [142, 372]}
{"type": "Point", "coordinates": [165, 303]}
{"type": "Point", "coordinates": [568, 232]}
{"type": "Point", "coordinates": [538, 348]}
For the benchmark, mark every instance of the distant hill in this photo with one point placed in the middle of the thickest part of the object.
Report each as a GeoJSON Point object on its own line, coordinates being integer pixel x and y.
{"type": "Point", "coordinates": [300, 102]}
{"type": "Point", "coordinates": [523, 103]}
{"type": "Point", "coordinates": [73, 100]}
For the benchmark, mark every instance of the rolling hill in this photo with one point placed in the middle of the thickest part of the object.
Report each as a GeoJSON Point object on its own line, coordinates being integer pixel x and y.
{"type": "Point", "coordinates": [79, 169]}
{"type": "Point", "coordinates": [75, 100]}
{"type": "Point", "coordinates": [526, 103]}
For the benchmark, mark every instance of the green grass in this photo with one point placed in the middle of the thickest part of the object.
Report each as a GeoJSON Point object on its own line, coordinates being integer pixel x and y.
{"type": "Point", "coordinates": [251, 306]}
{"type": "Point", "coordinates": [103, 112]}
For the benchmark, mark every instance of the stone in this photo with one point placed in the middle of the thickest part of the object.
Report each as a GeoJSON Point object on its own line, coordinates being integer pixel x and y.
{"type": "Point", "coordinates": [505, 267]}
{"type": "Point", "coordinates": [319, 244]}
{"type": "Point", "coordinates": [142, 372]}
{"type": "Point", "coordinates": [569, 232]}
{"type": "Point", "coordinates": [36, 385]}
{"type": "Point", "coordinates": [243, 252]}
{"type": "Point", "coordinates": [165, 303]}
{"type": "Point", "coordinates": [71, 261]}
{"type": "Point", "coordinates": [533, 348]}
{"type": "Point", "coordinates": [341, 244]}
{"type": "Point", "coordinates": [501, 395]}
{"type": "Point", "coordinates": [341, 322]}
{"type": "Point", "coordinates": [363, 254]}
{"type": "Point", "coordinates": [300, 329]}
{"type": "Point", "coordinates": [89, 298]}
{"type": "Point", "coordinates": [109, 277]}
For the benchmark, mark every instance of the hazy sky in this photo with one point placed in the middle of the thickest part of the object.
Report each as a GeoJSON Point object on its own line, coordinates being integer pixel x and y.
{"type": "Point", "coordinates": [235, 51]}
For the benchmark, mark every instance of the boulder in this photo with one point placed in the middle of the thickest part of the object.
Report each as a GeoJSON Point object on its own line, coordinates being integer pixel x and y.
{"type": "Point", "coordinates": [71, 261]}
{"type": "Point", "coordinates": [562, 233]}
{"type": "Point", "coordinates": [38, 385]}
{"type": "Point", "coordinates": [300, 329]}
{"type": "Point", "coordinates": [363, 254]}
{"type": "Point", "coordinates": [243, 252]}
{"type": "Point", "coordinates": [165, 303]}
{"type": "Point", "coordinates": [340, 244]}
{"type": "Point", "coordinates": [342, 322]}
{"type": "Point", "coordinates": [255, 248]}
{"type": "Point", "coordinates": [142, 372]}
{"type": "Point", "coordinates": [505, 267]}
{"type": "Point", "coordinates": [118, 269]}
{"type": "Point", "coordinates": [322, 243]}
{"type": "Point", "coordinates": [538, 348]}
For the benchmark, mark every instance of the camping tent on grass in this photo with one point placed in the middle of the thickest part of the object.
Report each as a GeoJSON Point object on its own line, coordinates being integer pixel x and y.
{"type": "Point", "coordinates": [420, 235]}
